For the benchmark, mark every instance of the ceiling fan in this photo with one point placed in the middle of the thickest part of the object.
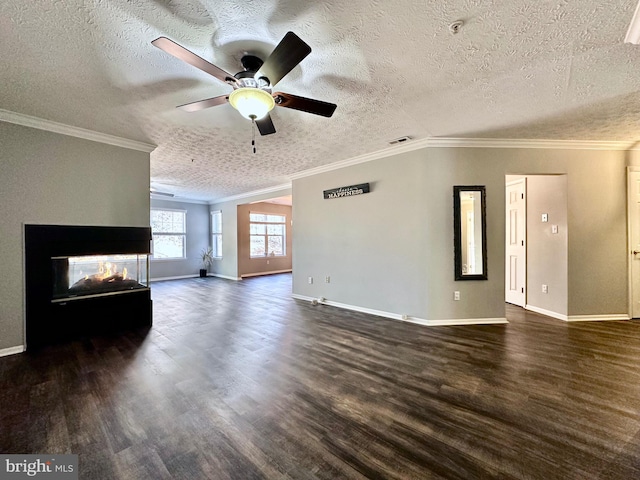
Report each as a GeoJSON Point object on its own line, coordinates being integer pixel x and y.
{"type": "Point", "coordinates": [252, 88]}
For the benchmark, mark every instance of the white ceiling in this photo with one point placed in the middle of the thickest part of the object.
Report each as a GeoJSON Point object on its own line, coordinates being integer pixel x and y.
{"type": "Point", "coordinates": [517, 69]}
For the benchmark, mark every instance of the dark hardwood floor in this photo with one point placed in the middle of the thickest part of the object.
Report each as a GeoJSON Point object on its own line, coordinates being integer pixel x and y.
{"type": "Point", "coordinates": [237, 380]}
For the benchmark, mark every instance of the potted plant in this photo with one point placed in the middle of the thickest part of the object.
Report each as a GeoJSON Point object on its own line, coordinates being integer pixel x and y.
{"type": "Point", "coordinates": [207, 259]}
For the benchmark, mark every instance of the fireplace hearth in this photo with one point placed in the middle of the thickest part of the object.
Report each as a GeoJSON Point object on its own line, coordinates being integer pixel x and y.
{"type": "Point", "coordinates": [84, 280]}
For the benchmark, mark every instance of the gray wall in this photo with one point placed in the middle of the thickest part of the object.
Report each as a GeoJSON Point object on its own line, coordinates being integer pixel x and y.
{"type": "Point", "coordinates": [547, 253]}
{"type": "Point", "coordinates": [227, 267]}
{"type": "Point", "coordinates": [392, 249]}
{"type": "Point", "coordinates": [198, 238]}
{"type": "Point", "coordinates": [48, 178]}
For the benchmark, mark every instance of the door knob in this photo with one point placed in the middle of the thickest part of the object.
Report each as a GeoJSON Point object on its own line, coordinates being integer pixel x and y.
{"type": "Point", "coordinates": [635, 252]}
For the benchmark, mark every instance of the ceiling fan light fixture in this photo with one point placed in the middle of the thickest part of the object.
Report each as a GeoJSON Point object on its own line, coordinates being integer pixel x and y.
{"type": "Point", "coordinates": [252, 103]}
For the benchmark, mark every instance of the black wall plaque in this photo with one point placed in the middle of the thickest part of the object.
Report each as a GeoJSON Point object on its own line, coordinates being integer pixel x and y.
{"type": "Point", "coordinates": [349, 191]}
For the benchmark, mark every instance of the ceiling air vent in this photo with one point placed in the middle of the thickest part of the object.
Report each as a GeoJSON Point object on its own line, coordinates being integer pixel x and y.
{"type": "Point", "coordinates": [399, 140]}
{"type": "Point", "coordinates": [164, 194]}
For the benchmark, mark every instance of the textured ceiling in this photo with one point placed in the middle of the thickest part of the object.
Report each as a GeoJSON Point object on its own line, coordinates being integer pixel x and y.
{"type": "Point", "coordinates": [517, 69]}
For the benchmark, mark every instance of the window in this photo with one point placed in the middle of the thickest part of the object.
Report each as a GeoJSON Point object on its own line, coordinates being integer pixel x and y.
{"type": "Point", "coordinates": [169, 233]}
{"type": "Point", "coordinates": [216, 234]}
{"type": "Point", "coordinates": [267, 234]}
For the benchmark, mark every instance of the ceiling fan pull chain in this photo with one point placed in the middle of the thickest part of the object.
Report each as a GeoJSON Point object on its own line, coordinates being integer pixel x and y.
{"type": "Point", "coordinates": [253, 133]}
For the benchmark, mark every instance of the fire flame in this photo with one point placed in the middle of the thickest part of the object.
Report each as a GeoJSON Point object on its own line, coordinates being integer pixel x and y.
{"type": "Point", "coordinates": [105, 271]}
{"type": "Point", "coordinates": [108, 271]}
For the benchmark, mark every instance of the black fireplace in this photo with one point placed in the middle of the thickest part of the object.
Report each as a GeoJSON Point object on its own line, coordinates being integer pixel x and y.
{"type": "Point", "coordinates": [83, 280]}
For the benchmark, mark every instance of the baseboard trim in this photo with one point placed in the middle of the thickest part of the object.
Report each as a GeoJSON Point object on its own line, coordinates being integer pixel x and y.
{"type": "Point", "coordinates": [273, 272]}
{"type": "Point", "coordinates": [226, 277]}
{"type": "Point", "coordinates": [195, 275]}
{"type": "Point", "coordinates": [613, 317]}
{"type": "Point", "coordinates": [467, 321]}
{"type": "Point", "coordinates": [547, 313]}
{"type": "Point", "coordinates": [404, 318]}
{"type": "Point", "coordinates": [181, 277]}
{"type": "Point", "coordinates": [11, 350]}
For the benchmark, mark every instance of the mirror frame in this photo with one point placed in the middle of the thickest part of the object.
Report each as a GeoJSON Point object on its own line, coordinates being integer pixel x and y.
{"type": "Point", "coordinates": [457, 231]}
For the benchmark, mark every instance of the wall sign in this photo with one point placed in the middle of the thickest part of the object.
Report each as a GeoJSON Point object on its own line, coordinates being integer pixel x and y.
{"type": "Point", "coordinates": [349, 191]}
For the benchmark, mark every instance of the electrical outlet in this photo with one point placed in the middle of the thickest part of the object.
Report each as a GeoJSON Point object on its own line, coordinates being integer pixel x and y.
{"type": "Point", "coordinates": [545, 288]}
{"type": "Point", "coordinates": [327, 279]}
{"type": "Point", "coordinates": [310, 280]}
{"type": "Point", "coordinates": [456, 295]}
{"type": "Point", "coordinates": [545, 217]}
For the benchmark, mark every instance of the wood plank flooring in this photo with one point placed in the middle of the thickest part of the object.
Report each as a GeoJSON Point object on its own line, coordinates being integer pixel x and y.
{"type": "Point", "coordinates": [236, 380]}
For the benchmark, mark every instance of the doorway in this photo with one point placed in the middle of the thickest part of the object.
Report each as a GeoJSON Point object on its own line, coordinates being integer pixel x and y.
{"type": "Point", "coordinates": [633, 215]}
{"type": "Point", "coordinates": [536, 243]}
{"type": "Point", "coordinates": [515, 242]}
{"type": "Point", "coordinates": [265, 232]}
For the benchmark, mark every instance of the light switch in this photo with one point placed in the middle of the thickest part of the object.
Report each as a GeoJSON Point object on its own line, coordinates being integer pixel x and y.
{"type": "Point", "coordinates": [554, 228]}
{"type": "Point", "coordinates": [545, 217]}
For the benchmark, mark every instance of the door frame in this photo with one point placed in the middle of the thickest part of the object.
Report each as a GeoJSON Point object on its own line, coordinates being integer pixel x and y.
{"type": "Point", "coordinates": [630, 169]}
{"type": "Point", "coordinates": [522, 180]}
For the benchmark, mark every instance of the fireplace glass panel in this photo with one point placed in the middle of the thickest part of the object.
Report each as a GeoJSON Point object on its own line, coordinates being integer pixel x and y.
{"type": "Point", "coordinates": [98, 275]}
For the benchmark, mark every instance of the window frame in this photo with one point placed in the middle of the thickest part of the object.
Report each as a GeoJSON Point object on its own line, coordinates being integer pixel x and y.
{"type": "Point", "coordinates": [266, 235]}
{"type": "Point", "coordinates": [183, 234]}
{"type": "Point", "coordinates": [217, 255]}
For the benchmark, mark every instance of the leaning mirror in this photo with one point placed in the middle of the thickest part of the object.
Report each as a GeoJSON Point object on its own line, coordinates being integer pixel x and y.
{"type": "Point", "coordinates": [470, 232]}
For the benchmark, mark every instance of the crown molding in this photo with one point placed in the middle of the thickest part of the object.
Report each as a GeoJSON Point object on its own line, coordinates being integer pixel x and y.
{"type": "Point", "coordinates": [453, 142]}
{"type": "Point", "coordinates": [447, 142]}
{"type": "Point", "coordinates": [253, 193]}
{"type": "Point", "coordinates": [50, 126]}
{"type": "Point", "coordinates": [367, 157]}
{"type": "Point", "coordinates": [633, 33]}
{"type": "Point", "coordinates": [164, 198]}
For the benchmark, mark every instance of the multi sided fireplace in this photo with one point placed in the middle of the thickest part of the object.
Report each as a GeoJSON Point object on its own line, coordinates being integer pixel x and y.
{"type": "Point", "coordinates": [95, 275]}
{"type": "Point", "coordinates": [83, 280]}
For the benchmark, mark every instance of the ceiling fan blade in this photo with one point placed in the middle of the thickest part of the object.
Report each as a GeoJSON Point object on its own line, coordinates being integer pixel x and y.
{"type": "Point", "coordinates": [265, 125]}
{"type": "Point", "coordinates": [172, 48]}
{"type": "Point", "coordinates": [202, 104]}
{"type": "Point", "coordinates": [309, 105]}
{"type": "Point", "coordinates": [288, 53]}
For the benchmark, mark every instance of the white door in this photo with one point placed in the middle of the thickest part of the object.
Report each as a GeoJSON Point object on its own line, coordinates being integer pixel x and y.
{"type": "Point", "coordinates": [516, 248]}
{"type": "Point", "coordinates": [633, 201]}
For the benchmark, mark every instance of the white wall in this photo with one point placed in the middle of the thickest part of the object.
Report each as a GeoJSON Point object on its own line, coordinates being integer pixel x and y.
{"type": "Point", "coordinates": [48, 178]}
{"type": "Point", "coordinates": [392, 249]}
{"type": "Point", "coordinates": [198, 238]}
